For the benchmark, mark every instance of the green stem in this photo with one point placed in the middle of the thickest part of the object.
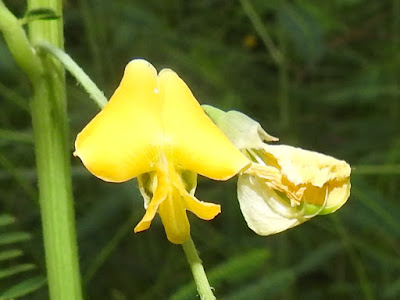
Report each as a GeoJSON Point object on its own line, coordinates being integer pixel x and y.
{"type": "Point", "coordinates": [8, 94]}
{"type": "Point", "coordinates": [24, 184]}
{"type": "Point", "coordinates": [50, 125]}
{"type": "Point", "coordinates": [18, 44]}
{"type": "Point", "coordinates": [15, 136]}
{"type": "Point", "coordinates": [278, 58]}
{"type": "Point", "coordinates": [284, 107]}
{"type": "Point", "coordinates": [255, 19]}
{"type": "Point", "coordinates": [76, 71]}
{"type": "Point", "coordinates": [390, 169]}
{"type": "Point", "coordinates": [91, 29]}
{"type": "Point", "coordinates": [50, 128]}
{"type": "Point", "coordinates": [395, 107]}
{"type": "Point", "coordinates": [200, 277]}
{"type": "Point", "coordinates": [354, 260]}
{"type": "Point", "coordinates": [106, 251]}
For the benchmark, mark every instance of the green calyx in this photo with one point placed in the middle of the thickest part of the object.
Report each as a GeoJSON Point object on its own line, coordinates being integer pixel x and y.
{"type": "Point", "coordinates": [241, 130]}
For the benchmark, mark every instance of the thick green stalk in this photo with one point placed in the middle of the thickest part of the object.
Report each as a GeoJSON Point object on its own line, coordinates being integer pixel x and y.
{"type": "Point", "coordinates": [50, 133]}
{"type": "Point", "coordinates": [50, 126]}
{"type": "Point", "coordinates": [200, 277]}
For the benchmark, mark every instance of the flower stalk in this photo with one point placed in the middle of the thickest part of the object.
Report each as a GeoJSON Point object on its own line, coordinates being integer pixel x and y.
{"type": "Point", "coordinates": [90, 87]}
{"type": "Point", "coordinates": [199, 275]}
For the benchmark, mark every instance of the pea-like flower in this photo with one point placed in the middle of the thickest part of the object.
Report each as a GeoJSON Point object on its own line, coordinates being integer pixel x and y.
{"type": "Point", "coordinates": [284, 186]}
{"type": "Point", "coordinates": [154, 129]}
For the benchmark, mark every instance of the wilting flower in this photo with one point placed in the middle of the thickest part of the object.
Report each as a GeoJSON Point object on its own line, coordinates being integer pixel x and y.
{"type": "Point", "coordinates": [285, 186]}
{"type": "Point", "coordinates": [154, 129]}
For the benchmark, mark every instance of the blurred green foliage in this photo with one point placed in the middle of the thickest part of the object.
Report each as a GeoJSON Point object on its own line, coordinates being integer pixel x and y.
{"type": "Point", "coordinates": [337, 91]}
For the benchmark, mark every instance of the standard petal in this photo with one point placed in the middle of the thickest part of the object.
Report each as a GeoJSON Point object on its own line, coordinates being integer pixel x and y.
{"type": "Point", "coordinates": [263, 209]}
{"type": "Point", "coordinates": [123, 140]}
{"type": "Point", "coordinates": [307, 167]}
{"type": "Point", "coordinates": [199, 146]}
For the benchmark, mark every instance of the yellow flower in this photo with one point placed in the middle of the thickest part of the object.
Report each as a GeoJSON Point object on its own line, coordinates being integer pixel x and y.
{"type": "Point", "coordinates": [284, 186]}
{"type": "Point", "coordinates": [154, 129]}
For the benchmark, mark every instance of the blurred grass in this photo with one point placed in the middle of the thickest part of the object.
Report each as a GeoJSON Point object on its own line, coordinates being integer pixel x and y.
{"type": "Point", "coordinates": [341, 81]}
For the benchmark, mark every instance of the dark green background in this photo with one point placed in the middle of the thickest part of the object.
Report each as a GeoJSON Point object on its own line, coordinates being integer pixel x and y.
{"type": "Point", "coordinates": [337, 92]}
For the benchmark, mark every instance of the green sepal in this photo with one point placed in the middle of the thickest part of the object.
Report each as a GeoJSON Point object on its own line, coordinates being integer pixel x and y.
{"type": "Point", "coordinates": [329, 210]}
{"type": "Point", "coordinates": [241, 130]}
